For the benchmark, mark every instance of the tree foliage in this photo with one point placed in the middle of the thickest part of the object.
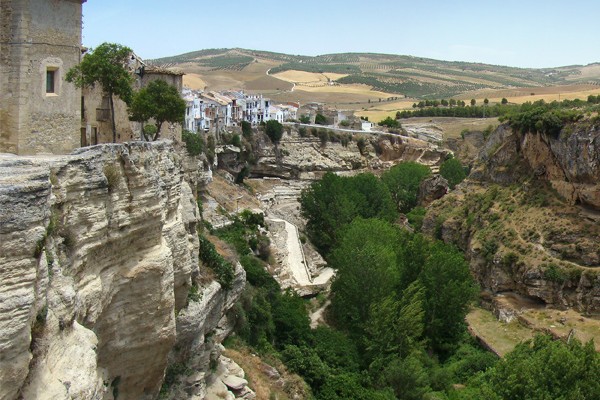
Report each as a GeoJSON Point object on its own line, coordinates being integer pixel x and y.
{"type": "Point", "coordinates": [544, 369]}
{"type": "Point", "coordinates": [158, 101]}
{"type": "Point", "coordinates": [453, 171]}
{"type": "Point", "coordinates": [274, 130]}
{"type": "Point", "coordinates": [106, 65]}
{"type": "Point", "coordinates": [320, 119]}
{"type": "Point", "coordinates": [403, 181]}
{"type": "Point", "coordinates": [334, 201]}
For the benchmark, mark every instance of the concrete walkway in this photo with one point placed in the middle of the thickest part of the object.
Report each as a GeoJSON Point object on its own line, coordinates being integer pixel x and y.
{"type": "Point", "coordinates": [295, 254]}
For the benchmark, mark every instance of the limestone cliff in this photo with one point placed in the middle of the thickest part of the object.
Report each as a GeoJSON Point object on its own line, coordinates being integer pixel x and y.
{"type": "Point", "coordinates": [308, 157]}
{"type": "Point", "coordinates": [528, 216]}
{"type": "Point", "coordinates": [98, 252]}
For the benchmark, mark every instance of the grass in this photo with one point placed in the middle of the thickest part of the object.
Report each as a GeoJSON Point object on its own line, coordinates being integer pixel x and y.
{"type": "Point", "coordinates": [500, 336]}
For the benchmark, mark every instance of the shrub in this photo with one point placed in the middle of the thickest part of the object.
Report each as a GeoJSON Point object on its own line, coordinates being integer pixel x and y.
{"type": "Point", "coordinates": [320, 119]}
{"type": "Point", "coordinates": [214, 261]}
{"type": "Point", "coordinates": [246, 129]}
{"type": "Point", "coordinates": [193, 142]}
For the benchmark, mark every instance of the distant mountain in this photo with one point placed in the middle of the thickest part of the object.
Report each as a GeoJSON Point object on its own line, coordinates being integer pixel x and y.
{"type": "Point", "coordinates": [414, 77]}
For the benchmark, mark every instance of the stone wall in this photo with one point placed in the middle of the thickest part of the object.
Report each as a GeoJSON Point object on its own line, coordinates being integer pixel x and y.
{"type": "Point", "coordinates": [42, 35]}
{"type": "Point", "coordinates": [98, 251]}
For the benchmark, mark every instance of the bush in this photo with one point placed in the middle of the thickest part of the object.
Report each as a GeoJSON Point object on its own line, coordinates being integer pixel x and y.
{"type": "Point", "coordinates": [453, 171]}
{"type": "Point", "coordinates": [213, 260]}
{"type": "Point", "coordinates": [320, 119]}
{"type": "Point", "coordinates": [302, 132]}
{"type": "Point", "coordinates": [274, 131]}
{"type": "Point", "coordinates": [246, 129]}
{"type": "Point", "coordinates": [193, 142]}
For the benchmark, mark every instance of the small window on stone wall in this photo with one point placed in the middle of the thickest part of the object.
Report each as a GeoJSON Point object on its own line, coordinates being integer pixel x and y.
{"type": "Point", "coordinates": [51, 75]}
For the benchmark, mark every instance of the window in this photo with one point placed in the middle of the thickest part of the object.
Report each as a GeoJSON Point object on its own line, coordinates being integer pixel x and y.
{"type": "Point", "coordinates": [50, 81]}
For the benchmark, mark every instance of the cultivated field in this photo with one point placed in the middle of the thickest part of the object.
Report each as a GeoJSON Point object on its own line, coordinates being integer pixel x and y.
{"type": "Point", "coordinates": [362, 79]}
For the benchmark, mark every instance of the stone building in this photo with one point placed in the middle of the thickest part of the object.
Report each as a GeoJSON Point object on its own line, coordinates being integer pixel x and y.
{"type": "Point", "coordinates": [96, 122]}
{"type": "Point", "coordinates": [40, 40]}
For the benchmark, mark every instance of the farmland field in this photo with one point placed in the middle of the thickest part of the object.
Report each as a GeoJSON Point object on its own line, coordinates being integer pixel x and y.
{"type": "Point", "coordinates": [361, 79]}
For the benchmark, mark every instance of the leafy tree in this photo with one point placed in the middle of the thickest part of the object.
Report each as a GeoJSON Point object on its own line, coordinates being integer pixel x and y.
{"type": "Point", "coordinates": [335, 349]}
{"type": "Point", "coordinates": [504, 100]}
{"type": "Point", "coordinates": [246, 129]}
{"type": "Point", "coordinates": [366, 262]}
{"type": "Point", "coordinates": [320, 119]}
{"type": "Point", "coordinates": [544, 368]}
{"type": "Point", "coordinates": [449, 289]}
{"type": "Point", "coordinates": [473, 102]}
{"type": "Point", "coordinates": [274, 130]}
{"type": "Point", "coordinates": [305, 119]}
{"type": "Point", "coordinates": [486, 101]}
{"type": "Point", "coordinates": [453, 171]}
{"type": "Point", "coordinates": [403, 181]}
{"type": "Point", "coordinates": [193, 142]}
{"type": "Point", "coordinates": [408, 377]}
{"type": "Point", "coordinates": [396, 325]}
{"type": "Point", "coordinates": [333, 202]}
{"type": "Point", "coordinates": [159, 101]}
{"type": "Point", "coordinates": [389, 122]}
{"type": "Point", "coordinates": [292, 325]}
{"type": "Point", "coordinates": [106, 65]}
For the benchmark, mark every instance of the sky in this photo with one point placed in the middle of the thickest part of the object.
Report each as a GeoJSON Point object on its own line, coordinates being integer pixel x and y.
{"type": "Point", "coordinates": [520, 33]}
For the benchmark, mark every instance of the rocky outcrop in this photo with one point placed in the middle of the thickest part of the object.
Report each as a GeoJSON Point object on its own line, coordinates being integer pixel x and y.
{"type": "Point", "coordinates": [98, 252]}
{"type": "Point", "coordinates": [298, 157]}
{"type": "Point", "coordinates": [527, 216]}
{"type": "Point", "coordinates": [570, 162]}
{"type": "Point", "coordinates": [432, 188]}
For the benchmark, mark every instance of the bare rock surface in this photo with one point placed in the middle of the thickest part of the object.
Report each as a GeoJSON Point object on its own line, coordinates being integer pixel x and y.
{"type": "Point", "coordinates": [98, 251]}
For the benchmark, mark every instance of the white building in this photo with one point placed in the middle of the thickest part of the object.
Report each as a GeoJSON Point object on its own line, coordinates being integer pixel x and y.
{"type": "Point", "coordinates": [366, 125]}
{"type": "Point", "coordinates": [257, 109]}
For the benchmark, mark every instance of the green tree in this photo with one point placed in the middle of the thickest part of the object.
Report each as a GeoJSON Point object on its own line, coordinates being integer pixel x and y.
{"type": "Point", "coordinates": [193, 142]}
{"type": "Point", "coordinates": [389, 122]}
{"type": "Point", "coordinates": [333, 202]}
{"type": "Point", "coordinates": [396, 325]}
{"type": "Point", "coordinates": [305, 119]}
{"type": "Point", "coordinates": [246, 129]}
{"type": "Point", "coordinates": [320, 119]}
{"type": "Point", "coordinates": [403, 181]}
{"type": "Point", "coordinates": [366, 261]}
{"type": "Point", "coordinates": [274, 130]}
{"type": "Point", "coordinates": [449, 289]}
{"type": "Point", "coordinates": [504, 100]}
{"type": "Point", "coordinates": [544, 368]}
{"type": "Point", "coordinates": [106, 65]}
{"type": "Point", "coordinates": [453, 171]}
{"type": "Point", "coordinates": [159, 101]}
{"type": "Point", "coordinates": [486, 101]}
{"type": "Point", "coordinates": [473, 102]}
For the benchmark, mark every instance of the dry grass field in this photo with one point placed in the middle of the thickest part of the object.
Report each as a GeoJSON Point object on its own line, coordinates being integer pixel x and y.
{"type": "Point", "coordinates": [522, 95]}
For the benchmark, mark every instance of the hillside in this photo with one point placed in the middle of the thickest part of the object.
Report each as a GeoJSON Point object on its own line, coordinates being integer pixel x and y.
{"type": "Point", "coordinates": [348, 78]}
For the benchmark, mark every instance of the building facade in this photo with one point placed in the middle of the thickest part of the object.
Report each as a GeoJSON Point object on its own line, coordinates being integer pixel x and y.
{"type": "Point", "coordinates": [40, 40]}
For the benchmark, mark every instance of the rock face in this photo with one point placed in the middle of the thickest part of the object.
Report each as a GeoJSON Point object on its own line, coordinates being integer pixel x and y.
{"type": "Point", "coordinates": [570, 162]}
{"type": "Point", "coordinates": [431, 189]}
{"type": "Point", "coordinates": [98, 251]}
{"type": "Point", "coordinates": [298, 157]}
{"type": "Point", "coordinates": [527, 217]}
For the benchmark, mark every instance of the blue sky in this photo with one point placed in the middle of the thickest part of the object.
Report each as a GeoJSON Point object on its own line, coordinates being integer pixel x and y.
{"type": "Point", "coordinates": [523, 33]}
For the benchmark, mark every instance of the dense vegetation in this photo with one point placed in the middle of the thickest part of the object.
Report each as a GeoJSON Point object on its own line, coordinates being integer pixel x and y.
{"type": "Point", "coordinates": [397, 310]}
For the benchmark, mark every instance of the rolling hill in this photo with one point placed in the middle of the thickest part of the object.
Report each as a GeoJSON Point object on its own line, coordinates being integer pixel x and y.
{"type": "Point", "coordinates": [370, 81]}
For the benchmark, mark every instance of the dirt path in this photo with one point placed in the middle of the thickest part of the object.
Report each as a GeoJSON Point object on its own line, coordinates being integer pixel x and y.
{"type": "Point", "coordinates": [316, 318]}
